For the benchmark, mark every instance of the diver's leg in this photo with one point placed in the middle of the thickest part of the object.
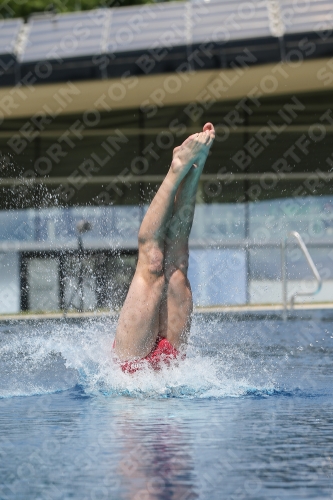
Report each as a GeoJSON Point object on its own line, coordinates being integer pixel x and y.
{"type": "Point", "coordinates": [177, 304]}
{"type": "Point", "coordinates": [138, 324]}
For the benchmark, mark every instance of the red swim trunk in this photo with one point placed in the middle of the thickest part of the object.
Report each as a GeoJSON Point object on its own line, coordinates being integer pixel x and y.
{"type": "Point", "coordinates": [163, 352]}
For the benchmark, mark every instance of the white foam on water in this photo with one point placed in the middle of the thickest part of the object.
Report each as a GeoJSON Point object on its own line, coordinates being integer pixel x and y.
{"type": "Point", "coordinates": [57, 357]}
{"type": "Point", "coordinates": [194, 377]}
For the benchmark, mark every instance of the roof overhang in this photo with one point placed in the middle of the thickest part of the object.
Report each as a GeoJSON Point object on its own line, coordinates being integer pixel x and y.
{"type": "Point", "coordinates": [156, 91]}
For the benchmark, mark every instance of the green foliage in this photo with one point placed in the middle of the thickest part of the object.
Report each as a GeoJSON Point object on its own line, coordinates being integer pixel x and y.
{"type": "Point", "coordinates": [24, 8]}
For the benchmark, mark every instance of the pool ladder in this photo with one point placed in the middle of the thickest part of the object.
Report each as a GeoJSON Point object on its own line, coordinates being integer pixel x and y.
{"type": "Point", "coordinates": [312, 266]}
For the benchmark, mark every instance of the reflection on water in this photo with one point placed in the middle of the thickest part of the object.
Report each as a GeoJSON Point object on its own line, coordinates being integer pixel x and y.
{"type": "Point", "coordinates": [156, 464]}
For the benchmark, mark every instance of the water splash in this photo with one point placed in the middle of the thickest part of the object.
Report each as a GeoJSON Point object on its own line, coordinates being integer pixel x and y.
{"type": "Point", "coordinates": [57, 356]}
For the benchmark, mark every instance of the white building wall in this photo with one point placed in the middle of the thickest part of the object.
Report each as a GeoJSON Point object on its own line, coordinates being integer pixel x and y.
{"type": "Point", "coordinates": [270, 292]}
{"type": "Point", "coordinates": [9, 282]}
{"type": "Point", "coordinates": [217, 276]}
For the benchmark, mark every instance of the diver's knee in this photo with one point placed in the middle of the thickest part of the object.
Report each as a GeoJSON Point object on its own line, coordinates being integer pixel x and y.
{"type": "Point", "coordinates": [177, 281]}
{"type": "Point", "coordinates": [182, 264]}
{"type": "Point", "coordinates": [178, 264]}
{"type": "Point", "coordinates": [153, 258]}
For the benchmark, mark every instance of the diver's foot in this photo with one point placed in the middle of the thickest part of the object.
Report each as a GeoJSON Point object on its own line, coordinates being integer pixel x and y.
{"type": "Point", "coordinates": [193, 151]}
{"type": "Point", "coordinates": [210, 131]}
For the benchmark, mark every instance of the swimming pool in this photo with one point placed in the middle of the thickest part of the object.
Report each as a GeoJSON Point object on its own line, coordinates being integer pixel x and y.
{"type": "Point", "coordinates": [247, 415]}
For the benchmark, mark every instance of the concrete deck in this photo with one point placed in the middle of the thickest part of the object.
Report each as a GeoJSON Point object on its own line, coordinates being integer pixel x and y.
{"type": "Point", "coordinates": [325, 310]}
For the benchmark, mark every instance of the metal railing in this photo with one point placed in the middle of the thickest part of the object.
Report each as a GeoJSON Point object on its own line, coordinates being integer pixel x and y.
{"type": "Point", "coordinates": [312, 266]}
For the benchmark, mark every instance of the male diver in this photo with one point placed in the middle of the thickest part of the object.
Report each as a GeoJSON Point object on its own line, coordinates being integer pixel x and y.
{"type": "Point", "coordinates": [155, 320]}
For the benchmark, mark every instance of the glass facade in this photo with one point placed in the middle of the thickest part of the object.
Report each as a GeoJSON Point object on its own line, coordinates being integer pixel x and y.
{"type": "Point", "coordinates": [214, 224]}
{"type": "Point", "coordinates": [226, 265]}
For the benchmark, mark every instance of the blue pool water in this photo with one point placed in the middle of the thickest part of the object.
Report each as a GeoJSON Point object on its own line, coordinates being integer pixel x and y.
{"type": "Point", "coordinates": [248, 414]}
